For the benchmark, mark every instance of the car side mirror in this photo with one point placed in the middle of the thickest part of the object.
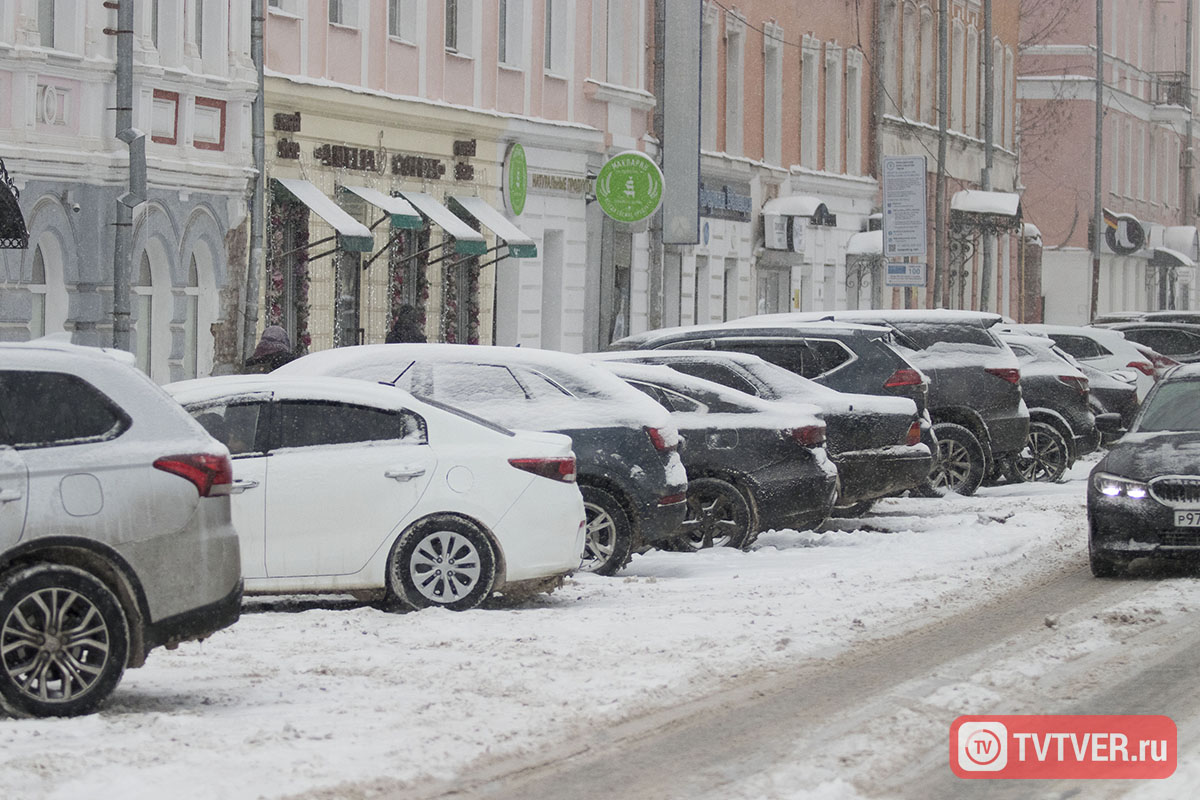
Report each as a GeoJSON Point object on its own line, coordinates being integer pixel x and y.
{"type": "Point", "coordinates": [1109, 423]}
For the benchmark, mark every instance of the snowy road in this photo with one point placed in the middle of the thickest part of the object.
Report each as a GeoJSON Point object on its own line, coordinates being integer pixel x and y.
{"type": "Point", "coordinates": [824, 665]}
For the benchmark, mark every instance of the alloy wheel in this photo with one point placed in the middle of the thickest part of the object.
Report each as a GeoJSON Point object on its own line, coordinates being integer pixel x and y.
{"type": "Point", "coordinates": [445, 567]}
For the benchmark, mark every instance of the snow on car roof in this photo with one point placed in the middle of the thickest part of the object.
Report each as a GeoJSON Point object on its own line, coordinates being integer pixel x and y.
{"type": "Point", "coordinates": [317, 387]}
{"type": "Point", "coordinates": [935, 315]}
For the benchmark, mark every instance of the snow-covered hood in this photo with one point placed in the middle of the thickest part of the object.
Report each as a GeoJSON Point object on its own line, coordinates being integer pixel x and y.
{"type": "Point", "coordinates": [1143, 456]}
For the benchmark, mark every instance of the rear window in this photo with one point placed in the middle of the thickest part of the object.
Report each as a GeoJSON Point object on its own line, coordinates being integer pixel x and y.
{"type": "Point", "coordinates": [1080, 346]}
{"type": "Point", "coordinates": [927, 334]}
{"type": "Point", "coordinates": [50, 409]}
{"type": "Point", "coordinates": [312, 423]}
{"type": "Point", "coordinates": [1166, 341]}
{"type": "Point", "coordinates": [717, 373]}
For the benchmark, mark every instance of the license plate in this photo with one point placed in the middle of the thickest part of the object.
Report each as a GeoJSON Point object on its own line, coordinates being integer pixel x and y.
{"type": "Point", "coordinates": [1187, 519]}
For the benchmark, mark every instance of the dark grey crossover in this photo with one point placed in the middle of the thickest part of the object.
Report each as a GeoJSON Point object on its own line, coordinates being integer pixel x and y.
{"type": "Point", "coordinates": [1143, 498]}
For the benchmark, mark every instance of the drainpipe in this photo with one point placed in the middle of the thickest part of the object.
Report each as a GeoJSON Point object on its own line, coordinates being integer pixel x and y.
{"type": "Point", "coordinates": [136, 194]}
{"type": "Point", "coordinates": [939, 211]}
{"type": "Point", "coordinates": [258, 127]}
{"type": "Point", "coordinates": [1097, 210]}
{"type": "Point", "coordinates": [989, 144]}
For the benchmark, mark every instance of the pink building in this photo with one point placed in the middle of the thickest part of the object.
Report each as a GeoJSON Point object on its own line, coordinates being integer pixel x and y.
{"type": "Point", "coordinates": [1143, 166]}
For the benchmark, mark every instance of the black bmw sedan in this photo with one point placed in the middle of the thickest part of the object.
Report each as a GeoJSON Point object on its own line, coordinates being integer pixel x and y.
{"type": "Point", "coordinates": [1144, 496]}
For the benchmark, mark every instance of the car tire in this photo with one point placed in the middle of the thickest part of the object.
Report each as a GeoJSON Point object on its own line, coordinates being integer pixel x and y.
{"type": "Point", "coordinates": [442, 562]}
{"type": "Point", "coordinates": [960, 464]}
{"type": "Point", "coordinates": [608, 546]}
{"type": "Point", "coordinates": [1049, 456]}
{"type": "Point", "coordinates": [718, 515]}
{"type": "Point", "coordinates": [64, 641]}
{"type": "Point", "coordinates": [855, 509]}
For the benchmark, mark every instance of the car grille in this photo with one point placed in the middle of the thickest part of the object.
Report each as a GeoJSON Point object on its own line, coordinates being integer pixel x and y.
{"type": "Point", "coordinates": [1180, 538]}
{"type": "Point", "coordinates": [1176, 491]}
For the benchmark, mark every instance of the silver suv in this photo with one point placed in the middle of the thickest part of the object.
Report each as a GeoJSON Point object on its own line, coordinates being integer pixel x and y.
{"type": "Point", "coordinates": [115, 532]}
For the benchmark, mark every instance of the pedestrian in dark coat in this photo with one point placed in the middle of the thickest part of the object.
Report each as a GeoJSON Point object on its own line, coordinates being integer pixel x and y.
{"type": "Point", "coordinates": [406, 327]}
{"type": "Point", "coordinates": [274, 350]}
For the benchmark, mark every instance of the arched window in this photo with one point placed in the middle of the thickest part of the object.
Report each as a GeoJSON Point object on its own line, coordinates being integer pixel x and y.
{"type": "Point", "coordinates": [37, 288]}
{"type": "Point", "coordinates": [191, 321]}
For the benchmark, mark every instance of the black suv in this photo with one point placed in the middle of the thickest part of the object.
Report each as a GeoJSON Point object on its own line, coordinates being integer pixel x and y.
{"type": "Point", "coordinates": [974, 393]}
{"type": "Point", "coordinates": [1178, 340]}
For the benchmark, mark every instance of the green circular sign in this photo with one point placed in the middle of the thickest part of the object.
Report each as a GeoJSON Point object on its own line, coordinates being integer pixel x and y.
{"type": "Point", "coordinates": [629, 187]}
{"type": "Point", "coordinates": [516, 181]}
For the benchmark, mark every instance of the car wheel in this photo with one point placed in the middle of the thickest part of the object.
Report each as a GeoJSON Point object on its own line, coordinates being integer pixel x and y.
{"type": "Point", "coordinates": [1049, 455]}
{"type": "Point", "coordinates": [64, 642]}
{"type": "Point", "coordinates": [855, 509]}
{"type": "Point", "coordinates": [718, 515]}
{"type": "Point", "coordinates": [1103, 566]}
{"type": "Point", "coordinates": [442, 563]}
{"type": "Point", "coordinates": [608, 546]}
{"type": "Point", "coordinates": [960, 464]}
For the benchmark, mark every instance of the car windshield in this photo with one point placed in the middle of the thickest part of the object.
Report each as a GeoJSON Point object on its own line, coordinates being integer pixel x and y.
{"type": "Point", "coordinates": [1175, 406]}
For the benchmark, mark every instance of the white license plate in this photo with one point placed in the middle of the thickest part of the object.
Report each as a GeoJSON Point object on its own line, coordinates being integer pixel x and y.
{"type": "Point", "coordinates": [1187, 519]}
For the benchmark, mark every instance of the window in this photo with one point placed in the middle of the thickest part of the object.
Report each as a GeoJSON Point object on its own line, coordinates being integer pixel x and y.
{"type": "Point", "coordinates": [45, 22]}
{"type": "Point", "coordinates": [957, 55]}
{"type": "Point", "coordinates": [37, 287]}
{"type": "Point", "coordinates": [336, 12]}
{"type": "Point", "coordinates": [235, 426]}
{"type": "Point", "coordinates": [928, 48]}
{"type": "Point", "coordinates": [926, 334]}
{"type": "Point", "coordinates": [465, 383]}
{"type": "Point", "coordinates": [772, 93]}
{"type": "Point", "coordinates": [973, 72]}
{"type": "Point", "coordinates": [910, 43]}
{"type": "Point", "coordinates": [556, 43]}
{"type": "Point", "coordinates": [154, 22]}
{"type": "Point", "coordinates": [143, 321]}
{"type": "Point", "coordinates": [810, 91]}
{"type": "Point", "coordinates": [1175, 407]}
{"type": "Point", "coordinates": [511, 32]}
{"type": "Point", "coordinates": [458, 26]}
{"type": "Point", "coordinates": [1166, 341]}
{"type": "Point", "coordinates": [731, 289]}
{"type": "Point", "coordinates": [198, 17]}
{"type": "Point", "coordinates": [709, 48]}
{"type": "Point", "coordinates": [717, 373]}
{"type": "Point", "coordinates": [833, 108]}
{"type": "Point", "coordinates": [735, 37]}
{"type": "Point", "coordinates": [315, 423]}
{"type": "Point", "coordinates": [191, 322]}
{"type": "Point", "coordinates": [774, 291]}
{"type": "Point", "coordinates": [703, 291]}
{"type": "Point", "coordinates": [452, 25]}
{"type": "Point", "coordinates": [854, 71]}
{"type": "Point", "coordinates": [1080, 346]}
{"type": "Point", "coordinates": [46, 409]}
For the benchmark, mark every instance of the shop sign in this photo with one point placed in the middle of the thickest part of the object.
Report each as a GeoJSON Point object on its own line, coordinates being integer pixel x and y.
{"type": "Point", "coordinates": [900, 273]}
{"type": "Point", "coordinates": [576, 185]}
{"type": "Point", "coordinates": [725, 202]}
{"type": "Point", "coordinates": [629, 187]}
{"type": "Point", "coordinates": [1123, 233]}
{"type": "Point", "coordinates": [516, 178]}
{"type": "Point", "coordinates": [288, 123]}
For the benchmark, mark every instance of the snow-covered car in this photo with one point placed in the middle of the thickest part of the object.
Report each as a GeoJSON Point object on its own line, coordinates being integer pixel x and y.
{"type": "Point", "coordinates": [346, 486]}
{"type": "Point", "coordinates": [875, 441]}
{"type": "Point", "coordinates": [115, 530]}
{"type": "Point", "coordinates": [632, 480]}
{"type": "Point", "coordinates": [1102, 348]}
{"type": "Point", "coordinates": [752, 464]}
{"type": "Point", "coordinates": [1143, 498]}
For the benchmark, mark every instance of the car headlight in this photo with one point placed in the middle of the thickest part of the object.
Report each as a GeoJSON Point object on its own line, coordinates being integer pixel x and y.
{"type": "Point", "coordinates": [1113, 486]}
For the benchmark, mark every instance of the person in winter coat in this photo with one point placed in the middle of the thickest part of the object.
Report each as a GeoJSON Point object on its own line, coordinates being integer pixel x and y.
{"type": "Point", "coordinates": [274, 350]}
{"type": "Point", "coordinates": [406, 327]}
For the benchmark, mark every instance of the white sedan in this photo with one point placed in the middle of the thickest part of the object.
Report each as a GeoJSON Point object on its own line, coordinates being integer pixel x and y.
{"type": "Point", "coordinates": [347, 486]}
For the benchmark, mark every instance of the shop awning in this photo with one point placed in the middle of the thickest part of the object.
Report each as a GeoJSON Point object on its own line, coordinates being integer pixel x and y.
{"type": "Point", "coordinates": [800, 205]}
{"type": "Point", "coordinates": [467, 240]}
{"type": "Point", "coordinates": [400, 210]}
{"type": "Point", "coordinates": [519, 245]}
{"type": "Point", "coordinates": [867, 243]}
{"type": "Point", "coordinates": [1166, 257]}
{"type": "Point", "coordinates": [976, 201]}
{"type": "Point", "coordinates": [1184, 239]}
{"type": "Point", "coordinates": [353, 236]}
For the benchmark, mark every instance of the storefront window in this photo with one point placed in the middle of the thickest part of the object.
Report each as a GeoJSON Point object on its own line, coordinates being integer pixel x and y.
{"type": "Point", "coordinates": [287, 279]}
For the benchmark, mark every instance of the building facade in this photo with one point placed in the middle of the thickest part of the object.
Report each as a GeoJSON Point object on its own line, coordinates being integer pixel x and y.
{"type": "Point", "coordinates": [193, 88]}
{"type": "Point", "coordinates": [1150, 249]}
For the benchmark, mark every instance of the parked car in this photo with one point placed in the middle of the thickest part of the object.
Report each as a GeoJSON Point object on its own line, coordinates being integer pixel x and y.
{"type": "Point", "coordinates": [975, 399]}
{"type": "Point", "coordinates": [633, 483]}
{"type": "Point", "coordinates": [348, 486]}
{"type": "Point", "coordinates": [752, 464]}
{"type": "Point", "coordinates": [1062, 427]}
{"type": "Point", "coordinates": [1191, 317]}
{"type": "Point", "coordinates": [1111, 395]}
{"type": "Point", "coordinates": [844, 356]}
{"type": "Point", "coordinates": [1101, 348]}
{"type": "Point", "coordinates": [874, 441]}
{"type": "Point", "coordinates": [1177, 340]}
{"type": "Point", "coordinates": [115, 530]}
{"type": "Point", "coordinates": [1143, 497]}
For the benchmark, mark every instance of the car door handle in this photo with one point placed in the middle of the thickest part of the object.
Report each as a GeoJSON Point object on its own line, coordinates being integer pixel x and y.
{"type": "Point", "coordinates": [404, 473]}
{"type": "Point", "coordinates": [237, 487]}
{"type": "Point", "coordinates": [10, 495]}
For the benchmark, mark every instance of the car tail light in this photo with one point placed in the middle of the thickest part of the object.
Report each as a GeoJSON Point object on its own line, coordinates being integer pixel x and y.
{"type": "Point", "coordinates": [672, 499]}
{"type": "Point", "coordinates": [1077, 382]}
{"type": "Point", "coordinates": [1006, 374]}
{"type": "Point", "coordinates": [558, 468]}
{"type": "Point", "coordinates": [205, 470]}
{"type": "Point", "coordinates": [808, 435]}
{"type": "Point", "coordinates": [659, 440]}
{"type": "Point", "coordinates": [1161, 363]}
{"type": "Point", "coordinates": [1143, 367]}
{"type": "Point", "coordinates": [914, 433]}
{"type": "Point", "coordinates": [903, 377]}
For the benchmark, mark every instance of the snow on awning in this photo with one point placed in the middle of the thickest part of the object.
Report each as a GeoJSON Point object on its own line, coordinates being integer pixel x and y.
{"type": "Point", "coordinates": [519, 245]}
{"type": "Point", "coordinates": [1031, 232]}
{"type": "Point", "coordinates": [401, 211]}
{"type": "Point", "coordinates": [800, 205]}
{"type": "Point", "coordinates": [867, 243]}
{"type": "Point", "coordinates": [467, 240]}
{"type": "Point", "coordinates": [1166, 257]}
{"type": "Point", "coordinates": [976, 201]}
{"type": "Point", "coordinates": [353, 236]}
{"type": "Point", "coordinates": [1184, 239]}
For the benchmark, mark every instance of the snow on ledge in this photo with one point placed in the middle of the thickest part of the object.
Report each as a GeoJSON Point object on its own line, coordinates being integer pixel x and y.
{"type": "Point", "coordinates": [975, 201]}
